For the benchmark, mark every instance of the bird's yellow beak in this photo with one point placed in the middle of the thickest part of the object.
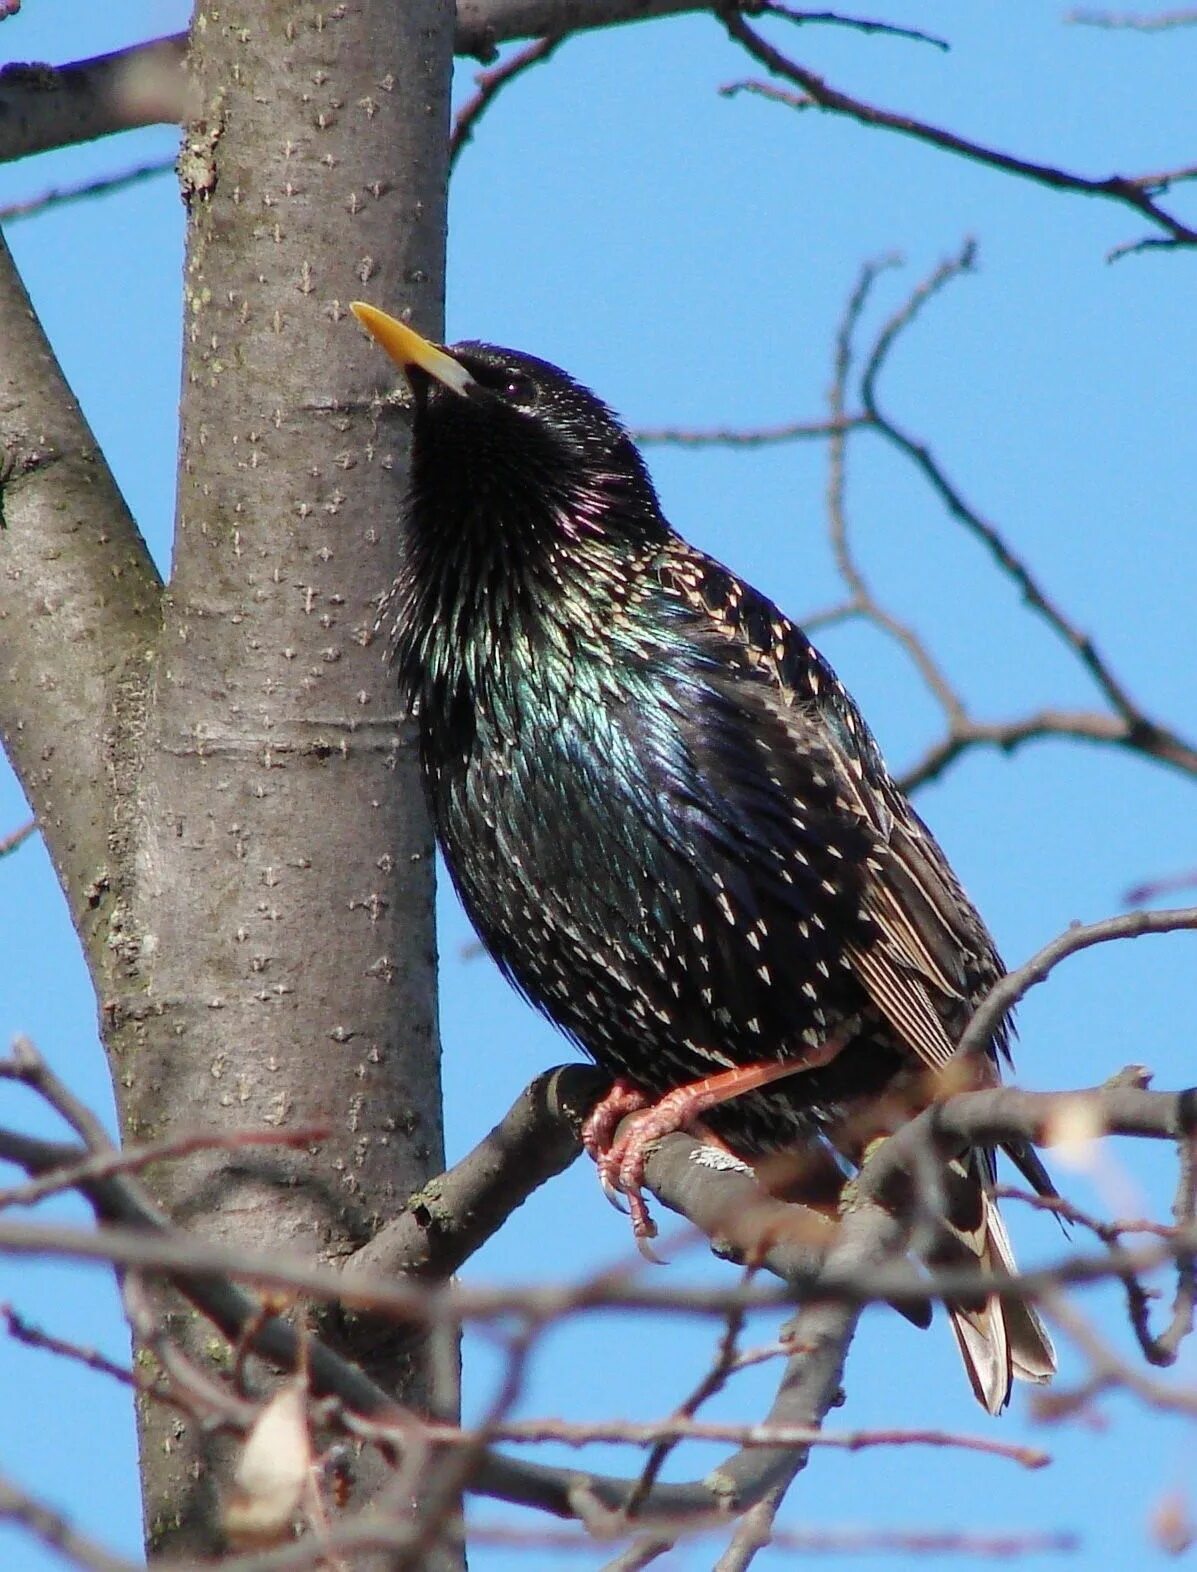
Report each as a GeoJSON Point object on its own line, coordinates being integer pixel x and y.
{"type": "Point", "coordinates": [406, 348]}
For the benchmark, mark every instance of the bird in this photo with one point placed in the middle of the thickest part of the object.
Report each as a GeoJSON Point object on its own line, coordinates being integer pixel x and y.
{"type": "Point", "coordinates": [667, 819]}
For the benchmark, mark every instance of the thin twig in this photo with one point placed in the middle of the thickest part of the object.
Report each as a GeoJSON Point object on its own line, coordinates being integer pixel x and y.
{"type": "Point", "coordinates": [857, 24]}
{"type": "Point", "coordinates": [799, 1542]}
{"type": "Point", "coordinates": [1081, 936]}
{"type": "Point", "coordinates": [1127, 190]}
{"type": "Point", "coordinates": [739, 437]}
{"type": "Point", "coordinates": [680, 1426]}
{"type": "Point", "coordinates": [1107, 1369]}
{"type": "Point", "coordinates": [60, 196]}
{"type": "Point", "coordinates": [133, 1159]}
{"type": "Point", "coordinates": [862, 600]}
{"type": "Point", "coordinates": [17, 837]}
{"type": "Point", "coordinates": [712, 1382]}
{"type": "Point", "coordinates": [845, 1282]}
{"type": "Point", "coordinates": [23, 1331]}
{"type": "Point", "coordinates": [26, 1066]}
{"type": "Point", "coordinates": [1152, 889]}
{"type": "Point", "coordinates": [1083, 725]}
{"type": "Point", "coordinates": [1161, 22]}
{"type": "Point", "coordinates": [1010, 564]}
{"type": "Point", "coordinates": [491, 83]}
{"type": "Point", "coordinates": [1128, 728]}
{"type": "Point", "coordinates": [56, 1531]}
{"type": "Point", "coordinates": [1112, 1232]}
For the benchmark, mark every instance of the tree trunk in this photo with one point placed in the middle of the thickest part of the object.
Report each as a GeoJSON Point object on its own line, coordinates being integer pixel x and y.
{"type": "Point", "coordinates": [226, 786]}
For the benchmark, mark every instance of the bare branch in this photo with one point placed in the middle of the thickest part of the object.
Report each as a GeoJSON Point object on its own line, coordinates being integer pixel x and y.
{"type": "Point", "coordinates": [69, 544]}
{"type": "Point", "coordinates": [1130, 191]}
{"type": "Point", "coordinates": [490, 84]}
{"type": "Point", "coordinates": [43, 107]}
{"type": "Point", "coordinates": [60, 196]}
{"type": "Point", "coordinates": [862, 601]}
{"type": "Point", "coordinates": [23, 1331]}
{"type": "Point", "coordinates": [753, 1533]}
{"type": "Point", "coordinates": [810, 1383]}
{"type": "Point", "coordinates": [26, 1067]}
{"type": "Point", "coordinates": [855, 1273]}
{"type": "Point", "coordinates": [17, 837]}
{"type": "Point", "coordinates": [856, 24]}
{"type": "Point", "coordinates": [798, 1542]}
{"type": "Point", "coordinates": [969, 1118]}
{"type": "Point", "coordinates": [452, 1216]}
{"type": "Point", "coordinates": [131, 1160]}
{"type": "Point", "coordinates": [1162, 22]}
{"type": "Point", "coordinates": [56, 1532]}
{"type": "Point", "coordinates": [1011, 565]}
{"type": "Point", "coordinates": [1006, 994]}
{"type": "Point", "coordinates": [484, 24]}
{"type": "Point", "coordinates": [712, 1382]}
{"type": "Point", "coordinates": [1152, 889]}
{"type": "Point", "coordinates": [1083, 725]}
{"type": "Point", "coordinates": [679, 1427]}
{"type": "Point", "coordinates": [1129, 728]}
{"type": "Point", "coordinates": [755, 437]}
{"type": "Point", "coordinates": [1106, 1369]}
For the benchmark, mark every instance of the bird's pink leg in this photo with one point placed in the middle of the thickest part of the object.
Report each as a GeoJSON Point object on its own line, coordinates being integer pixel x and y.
{"type": "Point", "coordinates": [621, 1158]}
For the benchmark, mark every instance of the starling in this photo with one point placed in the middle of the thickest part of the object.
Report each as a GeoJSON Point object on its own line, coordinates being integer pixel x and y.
{"type": "Point", "coordinates": [665, 816]}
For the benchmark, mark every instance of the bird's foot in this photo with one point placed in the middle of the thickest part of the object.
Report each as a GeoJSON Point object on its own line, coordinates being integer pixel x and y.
{"type": "Point", "coordinates": [621, 1158]}
{"type": "Point", "coordinates": [601, 1123]}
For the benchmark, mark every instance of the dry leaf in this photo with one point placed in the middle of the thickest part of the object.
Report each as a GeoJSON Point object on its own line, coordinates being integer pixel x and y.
{"type": "Point", "coordinates": [273, 1473]}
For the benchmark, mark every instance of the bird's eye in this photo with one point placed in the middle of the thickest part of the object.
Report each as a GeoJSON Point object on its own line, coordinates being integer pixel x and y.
{"type": "Point", "coordinates": [521, 390]}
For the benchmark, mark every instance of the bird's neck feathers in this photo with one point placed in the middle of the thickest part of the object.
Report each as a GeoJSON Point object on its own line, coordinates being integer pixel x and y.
{"type": "Point", "coordinates": [503, 583]}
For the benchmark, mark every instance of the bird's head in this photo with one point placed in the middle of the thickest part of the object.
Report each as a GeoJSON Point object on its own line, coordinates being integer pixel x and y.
{"type": "Point", "coordinates": [510, 450]}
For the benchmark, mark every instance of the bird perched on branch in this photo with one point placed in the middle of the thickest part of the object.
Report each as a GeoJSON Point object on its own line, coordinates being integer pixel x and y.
{"type": "Point", "coordinates": [666, 817]}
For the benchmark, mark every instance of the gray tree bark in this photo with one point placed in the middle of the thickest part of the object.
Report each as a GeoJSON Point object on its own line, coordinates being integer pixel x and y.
{"type": "Point", "coordinates": [218, 767]}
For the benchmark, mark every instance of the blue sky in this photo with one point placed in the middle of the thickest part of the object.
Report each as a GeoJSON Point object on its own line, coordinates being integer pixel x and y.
{"type": "Point", "coordinates": [688, 257]}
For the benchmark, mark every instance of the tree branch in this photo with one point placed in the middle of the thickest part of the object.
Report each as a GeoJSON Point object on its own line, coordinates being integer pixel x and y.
{"type": "Point", "coordinates": [1129, 727]}
{"type": "Point", "coordinates": [140, 1237]}
{"type": "Point", "coordinates": [1006, 993]}
{"type": "Point", "coordinates": [137, 1234]}
{"type": "Point", "coordinates": [56, 1531]}
{"type": "Point", "coordinates": [1136, 192]}
{"type": "Point", "coordinates": [1081, 725]}
{"type": "Point", "coordinates": [43, 107]}
{"type": "Point", "coordinates": [10, 842]}
{"type": "Point", "coordinates": [861, 1266]}
{"type": "Point", "coordinates": [855, 24]}
{"type": "Point", "coordinates": [490, 84]}
{"type": "Point", "coordinates": [1161, 22]}
{"type": "Point", "coordinates": [443, 1224]}
{"type": "Point", "coordinates": [483, 24]}
{"type": "Point", "coordinates": [60, 196]}
{"type": "Point", "coordinates": [753, 437]}
{"type": "Point", "coordinates": [79, 609]}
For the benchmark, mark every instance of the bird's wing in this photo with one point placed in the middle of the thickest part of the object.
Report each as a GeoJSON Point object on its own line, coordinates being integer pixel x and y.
{"type": "Point", "coordinates": [926, 955]}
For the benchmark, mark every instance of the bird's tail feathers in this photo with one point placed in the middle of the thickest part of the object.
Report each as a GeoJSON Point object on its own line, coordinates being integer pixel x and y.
{"type": "Point", "coordinates": [999, 1340]}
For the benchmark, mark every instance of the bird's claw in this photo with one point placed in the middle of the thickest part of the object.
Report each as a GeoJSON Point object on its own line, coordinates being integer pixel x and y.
{"type": "Point", "coordinates": [611, 1190]}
